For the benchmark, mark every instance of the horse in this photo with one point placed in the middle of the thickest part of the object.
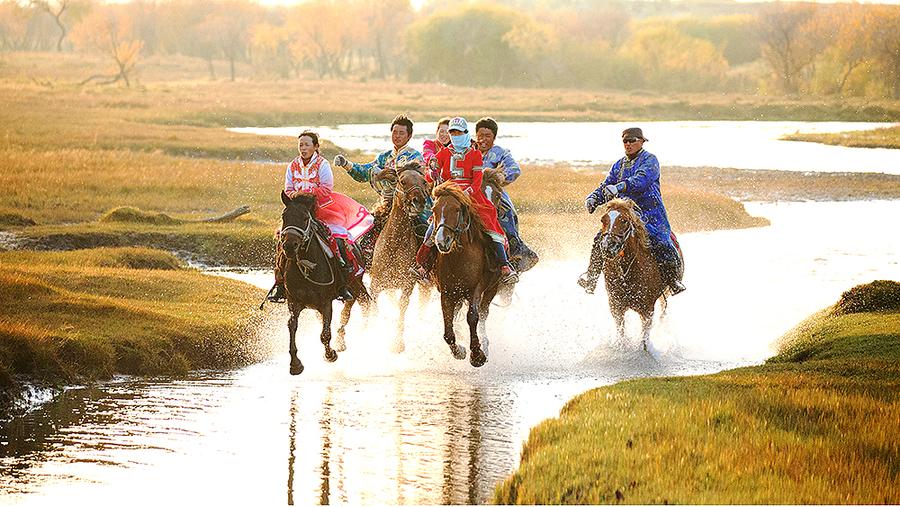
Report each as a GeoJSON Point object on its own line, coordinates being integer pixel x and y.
{"type": "Point", "coordinates": [311, 276]}
{"type": "Point", "coordinates": [396, 246]}
{"type": "Point", "coordinates": [462, 271]}
{"type": "Point", "coordinates": [632, 275]}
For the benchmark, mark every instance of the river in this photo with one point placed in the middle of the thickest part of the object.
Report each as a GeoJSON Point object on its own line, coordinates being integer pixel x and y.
{"type": "Point", "coordinates": [420, 427]}
{"type": "Point", "coordinates": [734, 144]}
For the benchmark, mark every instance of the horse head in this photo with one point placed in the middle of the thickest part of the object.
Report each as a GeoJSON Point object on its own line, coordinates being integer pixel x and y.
{"type": "Point", "coordinates": [412, 189]}
{"type": "Point", "coordinates": [297, 224]}
{"type": "Point", "coordinates": [620, 221]}
{"type": "Point", "coordinates": [453, 215]}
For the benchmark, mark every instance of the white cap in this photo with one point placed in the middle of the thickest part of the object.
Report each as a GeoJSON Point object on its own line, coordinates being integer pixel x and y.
{"type": "Point", "coordinates": [458, 123]}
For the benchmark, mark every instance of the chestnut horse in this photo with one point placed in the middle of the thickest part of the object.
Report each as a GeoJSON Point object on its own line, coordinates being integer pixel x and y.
{"type": "Point", "coordinates": [396, 246]}
{"type": "Point", "coordinates": [310, 275]}
{"type": "Point", "coordinates": [632, 276]}
{"type": "Point", "coordinates": [462, 271]}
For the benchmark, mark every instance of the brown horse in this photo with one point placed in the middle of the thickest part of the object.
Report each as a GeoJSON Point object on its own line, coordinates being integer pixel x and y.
{"type": "Point", "coordinates": [633, 280]}
{"type": "Point", "coordinates": [462, 271]}
{"type": "Point", "coordinates": [395, 249]}
{"type": "Point", "coordinates": [311, 275]}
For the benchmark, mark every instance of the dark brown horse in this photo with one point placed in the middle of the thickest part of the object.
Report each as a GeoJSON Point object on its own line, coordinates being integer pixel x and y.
{"type": "Point", "coordinates": [462, 271]}
{"type": "Point", "coordinates": [395, 249]}
{"type": "Point", "coordinates": [633, 280]}
{"type": "Point", "coordinates": [311, 274]}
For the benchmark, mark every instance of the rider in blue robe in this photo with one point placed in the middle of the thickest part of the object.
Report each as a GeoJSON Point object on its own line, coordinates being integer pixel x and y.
{"type": "Point", "coordinates": [494, 156]}
{"type": "Point", "coordinates": [636, 176]}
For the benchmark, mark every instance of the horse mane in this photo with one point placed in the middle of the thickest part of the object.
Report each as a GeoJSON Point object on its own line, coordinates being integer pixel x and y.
{"type": "Point", "coordinates": [410, 166]}
{"type": "Point", "coordinates": [629, 210]}
{"type": "Point", "coordinates": [306, 200]}
{"type": "Point", "coordinates": [450, 189]}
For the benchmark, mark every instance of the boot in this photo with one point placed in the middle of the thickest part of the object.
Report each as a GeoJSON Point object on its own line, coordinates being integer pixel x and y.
{"type": "Point", "coordinates": [669, 271]}
{"type": "Point", "coordinates": [279, 296]}
{"type": "Point", "coordinates": [508, 275]}
{"type": "Point", "coordinates": [343, 272]}
{"type": "Point", "coordinates": [588, 279]}
{"type": "Point", "coordinates": [425, 258]}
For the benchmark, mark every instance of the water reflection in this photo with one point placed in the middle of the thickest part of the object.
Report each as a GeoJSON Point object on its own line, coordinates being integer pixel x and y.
{"type": "Point", "coordinates": [417, 428]}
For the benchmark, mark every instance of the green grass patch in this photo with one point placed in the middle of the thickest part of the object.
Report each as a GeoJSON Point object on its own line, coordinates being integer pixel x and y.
{"type": "Point", "coordinates": [815, 424]}
{"type": "Point", "coordinates": [15, 220]}
{"type": "Point", "coordinates": [888, 137]}
{"type": "Point", "coordinates": [91, 314]}
{"type": "Point", "coordinates": [133, 215]}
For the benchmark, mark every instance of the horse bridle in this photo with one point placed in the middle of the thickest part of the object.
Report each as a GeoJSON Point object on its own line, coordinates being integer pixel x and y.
{"type": "Point", "coordinates": [398, 190]}
{"type": "Point", "coordinates": [305, 266]}
{"type": "Point", "coordinates": [462, 218]}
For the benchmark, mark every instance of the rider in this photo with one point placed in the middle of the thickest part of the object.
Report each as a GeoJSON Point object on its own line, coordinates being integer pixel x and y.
{"type": "Point", "coordinates": [496, 157]}
{"type": "Point", "coordinates": [381, 172]}
{"type": "Point", "coordinates": [461, 163]}
{"type": "Point", "coordinates": [636, 177]}
{"type": "Point", "coordinates": [431, 147]}
{"type": "Point", "coordinates": [310, 173]}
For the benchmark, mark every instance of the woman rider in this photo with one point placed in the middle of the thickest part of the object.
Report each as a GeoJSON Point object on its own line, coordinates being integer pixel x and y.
{"type": "Point", "coordinates": [431, 147]}
{"type": "Point", "coordinates": [461, 163]}
{"type": "Point", "coordinates": [311, 174]}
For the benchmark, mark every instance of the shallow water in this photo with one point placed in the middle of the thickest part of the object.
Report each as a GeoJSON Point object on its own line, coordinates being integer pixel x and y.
{"type": "Point", "coordinates": [736, 144]}
{"type": "Point", "coordinates": [420, 427]}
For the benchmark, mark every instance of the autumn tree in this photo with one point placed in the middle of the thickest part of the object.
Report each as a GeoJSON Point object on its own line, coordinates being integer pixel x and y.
{"type": "Point", "coordinates": [109, 31]}
{"type": "Point", "coordinates": [65, 13]}
{"type": "Point", "coordinates": [884, 43]}
{"type": "Point", "coordinates": [326, 34]}
{"type": "Point", "coordinates": [790, 42]}
{"type": "Point", "coordinates": [671, 60]}
{"type": "Point", "coordinates": [382, 32]}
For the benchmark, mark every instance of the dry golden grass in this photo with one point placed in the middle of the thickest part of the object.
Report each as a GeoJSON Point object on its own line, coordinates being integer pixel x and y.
{"type": "Point", "coordinates": [878, 138]}
{"type": "Point", "coordinates": [817, 424]}
{"type": "Point", "coordinates": [90, 314]}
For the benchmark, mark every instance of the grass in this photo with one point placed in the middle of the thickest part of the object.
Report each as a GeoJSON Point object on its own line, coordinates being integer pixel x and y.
{"type": "Point", "coordinates": [815, 424]}
{"type": "Point", "coordinates": [888, 137]}
{"type": "Point", "coordinates": [90, 314]}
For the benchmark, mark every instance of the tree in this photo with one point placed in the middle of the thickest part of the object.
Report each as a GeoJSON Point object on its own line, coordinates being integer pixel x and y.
{"type": "Point", "coordinates": [884, 42]}
{"type": "Point", "coordinates": [56, 10]}
{"type": "Point", "coordinates": [671, 60]}
{"type": "Point", "coordinates": [383, 32]}
{"type": "Point", "coordinates": [789, 41]}
{"type": "Point", "coordinates": [328, 32]}
{"type": "Point", "coordinates": [110, 32]}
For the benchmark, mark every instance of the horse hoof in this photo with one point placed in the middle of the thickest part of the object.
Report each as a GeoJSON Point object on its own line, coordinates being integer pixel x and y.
{"type": "Point", "coordinates": [398, 347]}
{"type": "Point", "coordinates": [296, 369]}
{"type": "Point", "coordinates": [331, 357]}
{"type": "Point", "coordinates": [340, 346]}
{"type": "Point", "coordinates": [459, 352]}
{"type": "Point", "coordinates": [477, 359]}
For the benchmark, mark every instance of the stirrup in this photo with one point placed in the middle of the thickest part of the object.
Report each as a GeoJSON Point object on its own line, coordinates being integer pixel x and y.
{"type": "Point", "coordinates": [278, 296]}
{"type": "Point", "coordinates": [509, 278]}
{"type": "Point", "coordinates": [677, 287]}
{"type": "Point", "coordinates": [419, 273]}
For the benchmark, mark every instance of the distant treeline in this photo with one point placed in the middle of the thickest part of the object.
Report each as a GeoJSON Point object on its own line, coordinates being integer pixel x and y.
{"type": "Point", "coordinates": [782, 47]}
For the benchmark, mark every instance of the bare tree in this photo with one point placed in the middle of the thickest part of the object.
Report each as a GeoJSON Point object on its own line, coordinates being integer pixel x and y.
{"type": "Point", "coordinates": [55, 9]}
{"type": "Point", "coordinates": [111, 34]}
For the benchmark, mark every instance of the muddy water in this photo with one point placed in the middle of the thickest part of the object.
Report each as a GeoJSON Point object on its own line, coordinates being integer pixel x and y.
{"type": "Point", "coordinates": [420, 427]}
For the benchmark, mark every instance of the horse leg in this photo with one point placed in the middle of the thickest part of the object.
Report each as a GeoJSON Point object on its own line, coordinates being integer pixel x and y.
{"type": "Point", "coordinates": [448, 308]}
{"type": "Point", "coordinates": [405, 293]}
{"type": "Point", "coordinates": [484, 309]}
{"type": "Point", "coordinates": [477, 358]}
{"type": "Point", "coordinates": [646, 325]}
{"type": "Point", "coordinates": [340, 345]}
{"type": "Point", "coordinates": [330, 354]}
{"type": "Point", "coordinates": [619, 318]}
{"type": "Point", "coordinates": [296, 365]}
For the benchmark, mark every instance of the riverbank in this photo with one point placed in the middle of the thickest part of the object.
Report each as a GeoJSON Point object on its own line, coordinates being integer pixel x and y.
{"type": "Point", "coordinates": [877, 138]}
{"type": "Point", "coordinates": [814, 424]}
{"type": "Point", "coordinates": [90, 314]}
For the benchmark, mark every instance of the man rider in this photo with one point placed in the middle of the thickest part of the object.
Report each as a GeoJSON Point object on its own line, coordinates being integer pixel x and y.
{"type": "Point", "coordinates": [496, 157]}
{"type": "Point", "coordinates": [381, 172]}
{"type": "Point", "coordinates": [636, 176]}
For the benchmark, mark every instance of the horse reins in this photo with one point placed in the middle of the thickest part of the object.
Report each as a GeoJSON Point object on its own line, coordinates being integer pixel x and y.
{"type": "Point", "coordinates": [458, 230]}
{"type": "Point", "coordinates": [303, 265]}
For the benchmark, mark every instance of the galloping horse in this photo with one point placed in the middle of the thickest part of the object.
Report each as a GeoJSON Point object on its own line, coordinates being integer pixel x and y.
{"type": "Point", "coordinates": [395, 249]}
{"type": "Point", "coordinates": [462, 271]}
{"type": "Point", "coordinates": [310, 275]}
{"type": "Point", "coordinates": [633, 280]}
